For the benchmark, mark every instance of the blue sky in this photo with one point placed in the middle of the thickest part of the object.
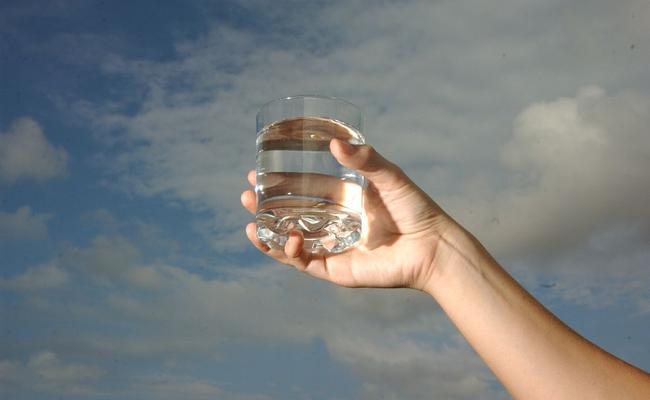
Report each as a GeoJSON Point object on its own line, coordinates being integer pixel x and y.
{"type": "Point", "coordinates": [126, 131]}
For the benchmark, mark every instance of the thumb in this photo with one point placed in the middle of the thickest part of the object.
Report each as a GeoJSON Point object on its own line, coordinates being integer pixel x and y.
{"type": "Point", "coordinates": [369, 163]}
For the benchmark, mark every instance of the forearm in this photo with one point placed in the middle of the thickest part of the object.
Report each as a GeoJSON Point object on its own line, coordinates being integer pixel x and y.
{"type": "Point", "coordinates": [532, 353]}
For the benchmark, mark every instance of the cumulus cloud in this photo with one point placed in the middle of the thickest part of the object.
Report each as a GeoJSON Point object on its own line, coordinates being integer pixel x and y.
{"type": "Point", "coordinates": [25, 153]}
{"type": "Point", "coordinates": [23, 224]}
{"type": "Point", "coordinates": [41, 277]}
{"type": "Point", "coordinates": [576, 166]}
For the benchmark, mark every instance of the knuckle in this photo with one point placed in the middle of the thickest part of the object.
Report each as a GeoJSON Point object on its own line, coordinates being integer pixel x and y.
{"type": "Point", "coordinates": [369, 149]}
{"type": "Point", "coordinates": [395, 169]}
{"type": "Point", "coordinates": [367, 152]}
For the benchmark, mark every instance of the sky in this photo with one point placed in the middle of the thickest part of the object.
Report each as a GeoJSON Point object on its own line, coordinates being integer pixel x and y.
{"type": "Point", "coordinates": [127, 128]}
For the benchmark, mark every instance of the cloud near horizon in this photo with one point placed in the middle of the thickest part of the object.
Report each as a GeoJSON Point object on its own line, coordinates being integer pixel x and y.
{"type": "Point", "coordinates": [178, 315]}
{"type": "Point", "coordinates": [46, 373]}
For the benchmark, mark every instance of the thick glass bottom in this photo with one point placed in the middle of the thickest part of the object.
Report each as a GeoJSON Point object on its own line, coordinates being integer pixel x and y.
{"type": "Point", "coordinates": [326, 230]}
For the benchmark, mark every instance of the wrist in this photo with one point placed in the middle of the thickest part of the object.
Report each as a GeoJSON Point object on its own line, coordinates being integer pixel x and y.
{"type": "Point", "coordinates": [455, 250]}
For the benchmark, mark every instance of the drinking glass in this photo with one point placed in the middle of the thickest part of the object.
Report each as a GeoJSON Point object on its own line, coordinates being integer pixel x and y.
{"type": "Point", "coordinates": [300, 185]}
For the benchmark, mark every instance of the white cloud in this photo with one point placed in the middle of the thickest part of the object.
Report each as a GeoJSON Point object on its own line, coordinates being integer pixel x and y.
{"type": "Point", "coordinates": [107, 259]}
{"type": "Point", "coordinates": [23, 224]}
{"type": "Point", "coordinates": [45, 372]}
{"type": "Point", "coordinates": [183, 315]}
{"type": "Point", "coordinates": [165, 388]}
{"type": "Point", "coordinates": [439, 102]}
{"type": "Point", "coordinates": [174, 387]}
{"type": "Point", "coordinates": [575, 166]}
{"type": "Point", "coordinates": [609, 270]}
{"type": "Point", "coordinates": [41, 277]}
{"type": "Point", "coordinates": [25, 153]}
{"type": "Point", "coordinates": [396, 368]}
{"type": "Point", "coordinates": [395, 341]}
{"type": "Point", "coordinates": [47, 365]}
{"type": "Point", "coordinates": [176, 314]}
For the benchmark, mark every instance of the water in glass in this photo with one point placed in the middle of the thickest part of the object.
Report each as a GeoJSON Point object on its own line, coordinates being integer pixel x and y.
{"type": "Point", "coordinates": [301, 186]}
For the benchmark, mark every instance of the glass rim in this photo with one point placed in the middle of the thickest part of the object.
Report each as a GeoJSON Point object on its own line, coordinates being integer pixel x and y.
{"type": "Point", "coordinates": [310, 96]}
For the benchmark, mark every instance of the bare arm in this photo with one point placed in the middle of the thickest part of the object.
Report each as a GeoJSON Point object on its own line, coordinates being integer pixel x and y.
{"type": "Point", "coordinates": [413, 243]}
{"type": "Point", "coordinates": [533, 353]}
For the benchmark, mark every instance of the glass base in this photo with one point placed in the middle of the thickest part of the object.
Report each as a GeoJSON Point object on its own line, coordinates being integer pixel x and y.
{"type": "Point", "coordinates": [324, 230]}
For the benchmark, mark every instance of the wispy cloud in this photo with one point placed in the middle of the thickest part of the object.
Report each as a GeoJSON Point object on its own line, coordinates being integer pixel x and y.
{"type": "Point", "coordinates": [181, 315]}
{"type": "Point", "coordinates": [399, 368]}
{"type": "Point", "coordinates": [40, 277]}
{"type": "Point", "coordinates": [609, 270]}
{"type": "Point", "coordinates": [44, 372]}
{"type": "Point", "coordinates": [173, 387]}
{"type": "Point", "coordinates": [23, 224]}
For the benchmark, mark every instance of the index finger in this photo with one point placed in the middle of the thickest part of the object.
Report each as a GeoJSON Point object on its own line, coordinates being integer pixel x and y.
{"type": "Point", "coordinates": [252, 177]}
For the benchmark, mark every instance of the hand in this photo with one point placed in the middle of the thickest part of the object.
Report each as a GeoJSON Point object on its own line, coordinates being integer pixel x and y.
{"type": "Point", "coordinates": [404, 229]}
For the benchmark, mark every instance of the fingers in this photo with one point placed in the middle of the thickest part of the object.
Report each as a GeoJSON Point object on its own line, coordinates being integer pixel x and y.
{"type": "Point", "coordinates": [293, 253]}
{"type": "Point", "coordinates": [251, 177]}
{"type": "Point", "coordinates": [293, 247]}
{"type": "Point", "coordinates": [369, 163]}
{"type": "Point", "coordinates": [293, 250]}
{"type": "Point", "coordinates": [248, 201]}
{"type": "Point", "coordinates": [251, 233]}
{"type": "Point", "coordinates": [247, 198]}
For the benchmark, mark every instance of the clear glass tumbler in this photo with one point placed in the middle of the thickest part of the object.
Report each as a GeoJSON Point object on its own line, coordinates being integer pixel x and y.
{"type": "Point", "coordinates": [300, 185]}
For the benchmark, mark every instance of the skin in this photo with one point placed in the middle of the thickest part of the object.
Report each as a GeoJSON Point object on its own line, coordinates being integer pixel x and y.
{"type": "Point", "coordinates": [413, 243]}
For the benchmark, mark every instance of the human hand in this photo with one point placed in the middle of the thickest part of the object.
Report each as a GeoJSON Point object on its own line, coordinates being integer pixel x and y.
{"type": "Point", "coordinates": [405, 228]}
